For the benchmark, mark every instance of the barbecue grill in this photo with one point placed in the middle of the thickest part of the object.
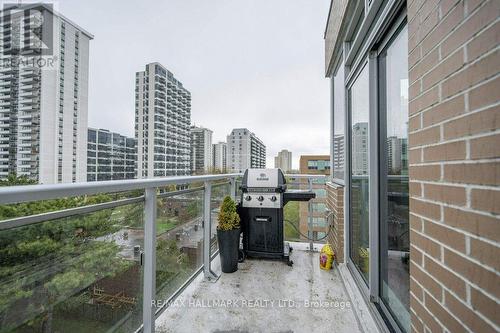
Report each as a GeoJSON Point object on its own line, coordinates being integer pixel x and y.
{"type": "Point", "coordinates": [264, 194]}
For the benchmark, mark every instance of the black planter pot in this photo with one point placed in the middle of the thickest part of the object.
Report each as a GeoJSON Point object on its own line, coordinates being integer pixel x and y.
{"type": "Point", "coordinates": [229, 243]}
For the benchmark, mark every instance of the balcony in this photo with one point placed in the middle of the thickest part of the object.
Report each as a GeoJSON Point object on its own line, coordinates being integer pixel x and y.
{"type": "Point", "coordinates": [97, 260]}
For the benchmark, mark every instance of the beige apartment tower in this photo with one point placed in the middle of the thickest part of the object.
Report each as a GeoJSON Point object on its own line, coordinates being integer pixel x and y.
{"type": "Point", "coordinates": [283, 161]}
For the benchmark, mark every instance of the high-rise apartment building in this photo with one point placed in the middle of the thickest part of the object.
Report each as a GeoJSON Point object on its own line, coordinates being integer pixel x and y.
{"type": "Point", "coordinates": [397, 156]}
{"type": "Point", "coordinates": [201, 150]}
{"type": "Point", "coordinates": [162, 121]}
{"type": "Point", "coordinates": [245, 151]}
{"type": "Point", "coordinates": [110, 156]}
{"type": "Point", "coordinates": [338, 156]}
{"type": "Point", "coordinates": [283, 160]}
{"type": "Point", "coordinates": [360, 149]}
{"type": "Point", "coordinates": [43, 95]}
{"type": "Point", "coordinates": [220, 156]}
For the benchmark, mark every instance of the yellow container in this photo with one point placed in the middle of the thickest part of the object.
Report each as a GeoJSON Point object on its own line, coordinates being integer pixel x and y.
{"type": "Point", "coordinates": [326, 257]}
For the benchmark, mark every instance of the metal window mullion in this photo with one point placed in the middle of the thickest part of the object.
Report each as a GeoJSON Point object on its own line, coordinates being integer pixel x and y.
{"type": "Point", "coordinates": [149, 280]}
{"type": "Point", "coordinates": [233, 188]}
{"type": "Point", "coordinates": [374, 179]}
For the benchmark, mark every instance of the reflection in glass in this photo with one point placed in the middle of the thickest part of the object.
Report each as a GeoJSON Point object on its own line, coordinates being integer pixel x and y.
{"type": "Point", "coordinates": [359, 229]}
{"type": "Point", "coordinates": [394, 213]}
{"type": "Point", "coordinates": [338, 123]}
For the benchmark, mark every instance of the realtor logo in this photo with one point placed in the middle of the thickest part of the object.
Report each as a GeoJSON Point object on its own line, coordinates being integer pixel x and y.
{"type": "Point", "coordinates": [27, 29]}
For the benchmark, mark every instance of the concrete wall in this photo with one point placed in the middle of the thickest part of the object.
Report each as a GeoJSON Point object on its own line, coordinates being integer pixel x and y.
{"type": "Point", "coordinates": [454, 150]}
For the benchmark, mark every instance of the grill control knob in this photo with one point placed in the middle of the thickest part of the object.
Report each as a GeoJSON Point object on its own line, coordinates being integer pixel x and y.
{"type": "Point", "coordinates": [260, 198]}
{"type": "Point", "coordinates": [248, 198]}
{"type": "Point", "coordinates": [273, 198]}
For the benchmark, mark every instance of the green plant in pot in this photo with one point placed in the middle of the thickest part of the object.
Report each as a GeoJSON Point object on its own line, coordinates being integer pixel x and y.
{"type": "Point", "coordinates": [228, 235]}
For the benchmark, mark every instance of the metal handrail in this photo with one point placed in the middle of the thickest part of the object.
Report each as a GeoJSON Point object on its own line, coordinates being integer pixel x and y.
{"type": "Point", "coordinates": [17, 194]}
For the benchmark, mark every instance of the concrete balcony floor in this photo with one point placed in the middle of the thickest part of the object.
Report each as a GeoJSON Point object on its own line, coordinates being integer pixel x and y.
{"type": "Point", "coordinates": [256, 282]}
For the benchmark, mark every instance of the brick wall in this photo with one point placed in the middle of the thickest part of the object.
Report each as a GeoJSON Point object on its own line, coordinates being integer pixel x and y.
{"type": "Point", "coordinates": [454, 153]}
{"type": "Point", "coordinates": [335, 203]}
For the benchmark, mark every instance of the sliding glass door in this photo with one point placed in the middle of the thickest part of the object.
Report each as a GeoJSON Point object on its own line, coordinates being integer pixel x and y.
{"type": "Point", "coordinates": [359, 173]}
{"type": "Point", "coordinates": [393, 179]}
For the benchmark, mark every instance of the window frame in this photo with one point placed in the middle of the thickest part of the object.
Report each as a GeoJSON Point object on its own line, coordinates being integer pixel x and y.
{"type": "Point", "coordinates": [380, 24]}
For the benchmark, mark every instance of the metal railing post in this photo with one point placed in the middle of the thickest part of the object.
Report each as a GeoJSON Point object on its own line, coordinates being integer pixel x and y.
{"type": "Point", "coordinates": [148, 310]}
{"type": "Point", "coordinates": [233, 188]}
{"type": "Point", "coordinates": [310, 218]}
{"type": "Point", "coordinates": [207, 230]}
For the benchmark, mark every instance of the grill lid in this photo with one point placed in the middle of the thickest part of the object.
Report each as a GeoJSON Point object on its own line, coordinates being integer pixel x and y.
{"type": "Point", "coordinates": [264, 179]}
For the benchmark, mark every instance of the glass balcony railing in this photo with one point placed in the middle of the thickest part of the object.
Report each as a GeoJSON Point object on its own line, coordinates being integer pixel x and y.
{"type": "Point", "coordinates": [93, 256]}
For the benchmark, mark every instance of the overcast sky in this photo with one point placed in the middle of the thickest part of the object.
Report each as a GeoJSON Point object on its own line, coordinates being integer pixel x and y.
{"type": "Point", "coordinates": [248, 63]}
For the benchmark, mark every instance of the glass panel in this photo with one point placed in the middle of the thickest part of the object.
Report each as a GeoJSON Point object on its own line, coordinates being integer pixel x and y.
{"type": "Point", "coordinates": [75, 274]}
{"type": "Point", "coordinates": [359, 229]}
{"type": "Point", "coordinates": [219, 192]}
{"type": "Point", "coordinates": [395, 280]}
{"type": "Point", "coordinates": [179, 243]}
{"type": "Point", "coordinates": [295, 218]}
{"type": "Point", "coordinates": [338, 123]}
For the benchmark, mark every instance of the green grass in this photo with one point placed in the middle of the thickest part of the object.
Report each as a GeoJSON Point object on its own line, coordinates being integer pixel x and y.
{"type": "Point", "coordinates": [164, 224]}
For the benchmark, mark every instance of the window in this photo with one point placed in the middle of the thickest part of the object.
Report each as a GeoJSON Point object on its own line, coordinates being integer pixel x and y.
{"type": "Point", "coordinates": [338, 123]}
{"type": "Point", "coordinates": [394, 196]}
{"type": "Point", "coordinates": [359, 188]}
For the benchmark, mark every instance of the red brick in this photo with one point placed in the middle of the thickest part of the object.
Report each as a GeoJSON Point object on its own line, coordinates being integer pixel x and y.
{"type": "Point", "coordinates": [415, 156]}
{"type": "Point", "coordinates": [425, 209]}
{"type": "Point", "coordinates": [444, 316]}
{"type": "Point", "coordinates": [445, 193]}
{"type": "Point", "coordinates": [443, 28]}
{"type": "Point", "coordinates": [414, 57]}
{"type": "Point", "coordinates": [485, 147]}
{"type": "Point", "coordinates": [478, 122]}
{"type": "Point", "coordinates": [416, 290]}
{"type": "Point", "coordinates": [469, 28]}
{"type": "Point", "coordinates": [426, 316]}
{"type": "Point", "coordinates": [444, 110]}
{"type": "Point", "coordinates": [484, 304]}
{"type": "Point", "coordinates": [427, 281]}
{"type": "Point", "coordinates": [427, 245]}
{"type": "Point", "coordinates": [445, 235]}
{"type": "Point", "coordinates": [446, 6]}
{"type": "Point", "coordinates": [416, 255]}
{"type": "Point", "coordinates": [484, 42]}
{"type": "Point", "coordinates": [480, 70]}
{"type": "Point", "coordinates": [425, 100]}
{"type": "Point", "coordinates": [445, 68]}
{"type": "Point", "coordinates": [486, 253]}
{"type": "Point", "coordinates": [424, 137]}
{"type": "Point", "coordinates": [477, 224]}
{"type": "Point", "coordinates": [425, 172]}
{"type": "Point", "coordinates": [473, 272]}
{"type": "Point", "coordinates": [486, 200]}
{"type": "Point", "coordinates": [445, 152]}
{"type": "Point", "coordinates": [446, 277]}
{"type": "Point", "coordinates": [416, 223]}
{"type": "Point", "coordinates": [473, 173]}
{"type": "Point", "coordinates": [414, 123]}
{"type": "Point", "coordinates": [467, 315]}
{"type": "Point", "coordinates": [484, 95]}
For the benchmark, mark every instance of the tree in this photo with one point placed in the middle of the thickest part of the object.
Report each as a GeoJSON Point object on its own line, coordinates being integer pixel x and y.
{"type": "Point", "coordinates": [13, 179]}
{"type": "Point", "coordinates": [44, 264]}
